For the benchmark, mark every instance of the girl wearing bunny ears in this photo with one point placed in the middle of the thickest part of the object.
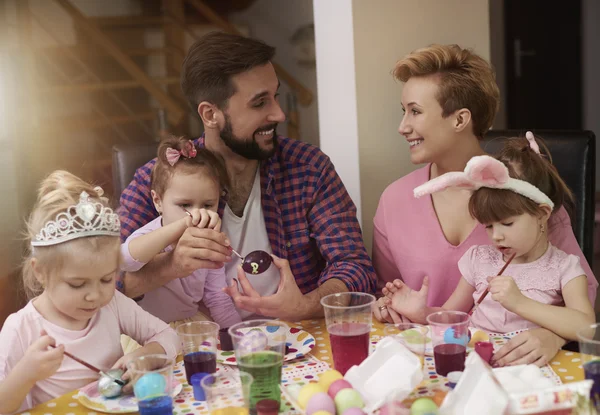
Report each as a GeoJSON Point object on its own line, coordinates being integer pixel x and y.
{"type": "Point", "coordinates": [513, 196]}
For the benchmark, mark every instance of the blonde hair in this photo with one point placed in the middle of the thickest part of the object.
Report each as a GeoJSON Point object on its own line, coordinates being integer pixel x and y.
{"type": "Point", "coordinates": [466, 80]}
{"type": "Point", "coordinates": [56, 194]}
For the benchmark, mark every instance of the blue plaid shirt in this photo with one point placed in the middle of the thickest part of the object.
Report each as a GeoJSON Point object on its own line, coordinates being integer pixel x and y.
{"type": "Point", "coordinates": [309, 216]}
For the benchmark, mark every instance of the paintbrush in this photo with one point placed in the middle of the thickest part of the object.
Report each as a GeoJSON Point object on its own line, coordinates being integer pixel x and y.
{"type": "Point", "coordinates": [487, 290]}
{"type": "Point", "coordinates": [92, 367]}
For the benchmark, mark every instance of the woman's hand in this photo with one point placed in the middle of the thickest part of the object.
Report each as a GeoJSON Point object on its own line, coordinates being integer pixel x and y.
{"type": "Point", "coordinates": [536, 346]}
{"type": "Point", "coordinates": [385, 314]}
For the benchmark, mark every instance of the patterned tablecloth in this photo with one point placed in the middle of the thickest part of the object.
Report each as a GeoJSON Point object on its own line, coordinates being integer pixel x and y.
{"type": "Point", "coordinates": [566, 365]}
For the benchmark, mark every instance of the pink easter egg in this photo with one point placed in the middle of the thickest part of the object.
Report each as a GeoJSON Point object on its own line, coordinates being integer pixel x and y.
{"type": "Point", "coordinates": [320, 402]}
{"type": "Point", "coordinates": [337, 386]}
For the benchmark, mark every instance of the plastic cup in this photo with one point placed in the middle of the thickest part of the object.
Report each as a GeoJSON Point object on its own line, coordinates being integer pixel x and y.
{"type": "Point", "coordinates": [450, 336]}
{"type": "Point", "coordinates": [199, 347]}
{"type": "Point", "coordinates": [152, 379]}
{"type": "Point", "coordinates": [589, 347]}
{"type": "Point", "coordinates": [348, 317]}
{"type": "Point", "coordinates": [260, 350]}
{"type": "Point", "coordinates": [227, 393]}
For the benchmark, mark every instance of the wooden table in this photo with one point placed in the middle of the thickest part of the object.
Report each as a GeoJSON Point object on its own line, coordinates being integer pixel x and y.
{"type": "Point", "coordinates": [567, 366]}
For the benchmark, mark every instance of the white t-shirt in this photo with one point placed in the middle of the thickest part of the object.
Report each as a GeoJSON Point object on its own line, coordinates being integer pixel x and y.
{"type": "Point", "coordinates": [248, 234]}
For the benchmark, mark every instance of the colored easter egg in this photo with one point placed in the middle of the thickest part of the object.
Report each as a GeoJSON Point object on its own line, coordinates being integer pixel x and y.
{"type": "Point", "coordinates": [479, 336]}
{"type": "Point", "coordinates": [256, 262]}
{"type": "Point", "coordinates": [354, 411]}
{"type": "Point", "coordinates": [107, 385]}
{"type": "Point", "coordinates": [307, 392]}
{"type": "Point", "coordinates": [338, 385]}
{"type": "Point", "coordinates": [150, 384]}
{"type": "Point", "coordinates": [348, 398]}
{"type": "Point", "coordinates": [423, 406]}
{"type": "Point", "coordinates": [451, 336]}
{"type": "Point", "coordinates": [323, 413]}
{"type": "Point", "coordinates": [253, 341]}
{"type": "Point", "coordinates": [327, 378]}
{"type": "Point", "coordinates": [320, 402]}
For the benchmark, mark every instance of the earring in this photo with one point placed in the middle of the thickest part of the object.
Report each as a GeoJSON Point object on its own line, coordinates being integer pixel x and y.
{"type": "Point", "coordinates": [542, 230]}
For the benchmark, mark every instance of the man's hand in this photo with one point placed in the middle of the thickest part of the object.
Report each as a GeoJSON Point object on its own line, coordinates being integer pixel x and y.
{"type": "Point", "coordinates": [288, 303]}
{"type": "Point", "coordinates": [199, 248]}
{"type": "Point", "coordinates": [535, 346]}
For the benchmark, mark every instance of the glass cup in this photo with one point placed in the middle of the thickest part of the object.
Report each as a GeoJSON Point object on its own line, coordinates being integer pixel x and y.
{"type": "Point", "coordinates": [260, 350]}
{"type": "Point", "coordinates": [199, 347]}
{"type": "Point", "coordinates": [348, 317]}
{"type": "Point", "coordinates": [152, 380]}
{"type": "Point", "coordinates": [412, 335]}
{"type": "Point", "coordinates": [227, 393]}
{"type": "Point", "coordinates": [450, 336]}
{"type": "Point", "coordinates": [589, 347]}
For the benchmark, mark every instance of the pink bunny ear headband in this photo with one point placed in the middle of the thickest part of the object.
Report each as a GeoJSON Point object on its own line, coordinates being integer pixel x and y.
{"type": "Point", "coordinates": [188, 151]}
{"type": "Point", "coordinates": [486, 171]}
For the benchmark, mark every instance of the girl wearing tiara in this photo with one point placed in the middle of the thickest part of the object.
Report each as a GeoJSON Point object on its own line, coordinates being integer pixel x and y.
{"type": "Point", "coordinates": [186, 185]}
{"type": "Point", "coordinates": [70, 276]}
{"type": "Point", "coordinates": [513, 196]}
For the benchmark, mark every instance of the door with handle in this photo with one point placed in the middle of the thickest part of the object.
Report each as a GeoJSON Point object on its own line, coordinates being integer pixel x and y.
{"type": "Point", "coordinates": [543, 64]}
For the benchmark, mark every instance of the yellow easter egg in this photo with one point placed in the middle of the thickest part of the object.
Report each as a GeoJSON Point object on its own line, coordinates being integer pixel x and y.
{"type": "Point", "coordinates": [327, 378]}
{"type": "Point", "coordinates": [479, 336]}
{"type": "Point", "coordinates": [307, 392]}
{"type": "Point", "coordinates": [321, 413]}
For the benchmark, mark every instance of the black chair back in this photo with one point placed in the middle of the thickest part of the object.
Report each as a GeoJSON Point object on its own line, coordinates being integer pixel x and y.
{"type": "Point", "coordinates": [126, 159]}
{"type": "Point", "coordinates": [574, 155]}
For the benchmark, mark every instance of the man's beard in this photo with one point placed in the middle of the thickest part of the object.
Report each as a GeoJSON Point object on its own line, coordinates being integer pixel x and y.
{"type": "Point", "coordinates": [248, 149]}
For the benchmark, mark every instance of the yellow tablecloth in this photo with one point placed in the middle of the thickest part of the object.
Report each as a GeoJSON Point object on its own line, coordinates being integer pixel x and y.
{"type": "Point", "coordinates": [567, 366]}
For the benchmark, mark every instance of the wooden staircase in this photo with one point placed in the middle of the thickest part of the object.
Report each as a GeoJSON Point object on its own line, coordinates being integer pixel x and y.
{"type": "Point", "coordinates": [107, 72]}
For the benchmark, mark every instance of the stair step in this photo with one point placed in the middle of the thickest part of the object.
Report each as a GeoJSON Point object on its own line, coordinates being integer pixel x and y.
{"type": "Point", "coordinates": [103, 86]}
{"type": "Point", "coordinates": [90, 121]}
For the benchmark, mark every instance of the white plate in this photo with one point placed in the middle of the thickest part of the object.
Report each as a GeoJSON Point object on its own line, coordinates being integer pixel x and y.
{"type": "Point", "coordinates": [89, 397]}
{"type": "Point", "coordinates": [299, 342]}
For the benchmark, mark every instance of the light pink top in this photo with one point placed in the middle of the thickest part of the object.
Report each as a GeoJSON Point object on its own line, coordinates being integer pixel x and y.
{"type": "Point", "coordinates": [408, 242]}
{"type": "Point", "coordinates": [179, 298]}
{"type": "Point", "coordinates": [99, 344]}
{"type": "Point", "coordinates": [541, 280]}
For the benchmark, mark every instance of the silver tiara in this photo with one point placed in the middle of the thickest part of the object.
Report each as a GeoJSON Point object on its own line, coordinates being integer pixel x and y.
{"type": "Point", "coordinates": [87, 218]}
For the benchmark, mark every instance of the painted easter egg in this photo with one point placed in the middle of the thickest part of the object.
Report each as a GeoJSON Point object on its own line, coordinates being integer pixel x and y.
{"type": "Point", "coordinates": [307, 392]}
{"type": "Point", "coordinates": [328, 377]}
{"type": "Point", "coordinates": [256, 262]}
{"type": "Point", "coordinates": [107, 385]}
{"type": "Point", "coordinates": [150, 384]}
{"type": "Point", "coordinates": [346, 399]}
{"type": "Point", "coordinates": [320, 402]}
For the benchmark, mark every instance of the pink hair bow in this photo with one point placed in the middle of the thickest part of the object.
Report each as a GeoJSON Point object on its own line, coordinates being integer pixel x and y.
{"type": "Point", "coordinates": [189, 151]}
{"type": "Point", "coordinates": [483, 171]}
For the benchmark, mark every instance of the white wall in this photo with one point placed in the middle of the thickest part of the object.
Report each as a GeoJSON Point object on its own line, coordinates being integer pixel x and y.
{"type": "Point", "coordinates": [337, 91]}
{"type": "Point", "coordinates": [382, 35]}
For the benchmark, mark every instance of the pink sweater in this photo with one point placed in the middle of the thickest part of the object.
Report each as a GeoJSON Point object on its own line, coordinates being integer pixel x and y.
{"type": "Point", "coordinates": [99, 344]}
{"type": "Point", "coordinates": [408, 242]}
{"type": "Point", "coordinates": [179, 298]}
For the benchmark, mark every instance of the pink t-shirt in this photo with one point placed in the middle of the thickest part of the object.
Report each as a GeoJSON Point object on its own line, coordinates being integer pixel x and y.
{"type": "Point", "coordinates": [99, 344]}
{"type": "Point", "coordinates": [541, 280]}
{"type": "Point", "coordinates": [179, 298]}
{"type": "Point", "coordinates": [408, 242]}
